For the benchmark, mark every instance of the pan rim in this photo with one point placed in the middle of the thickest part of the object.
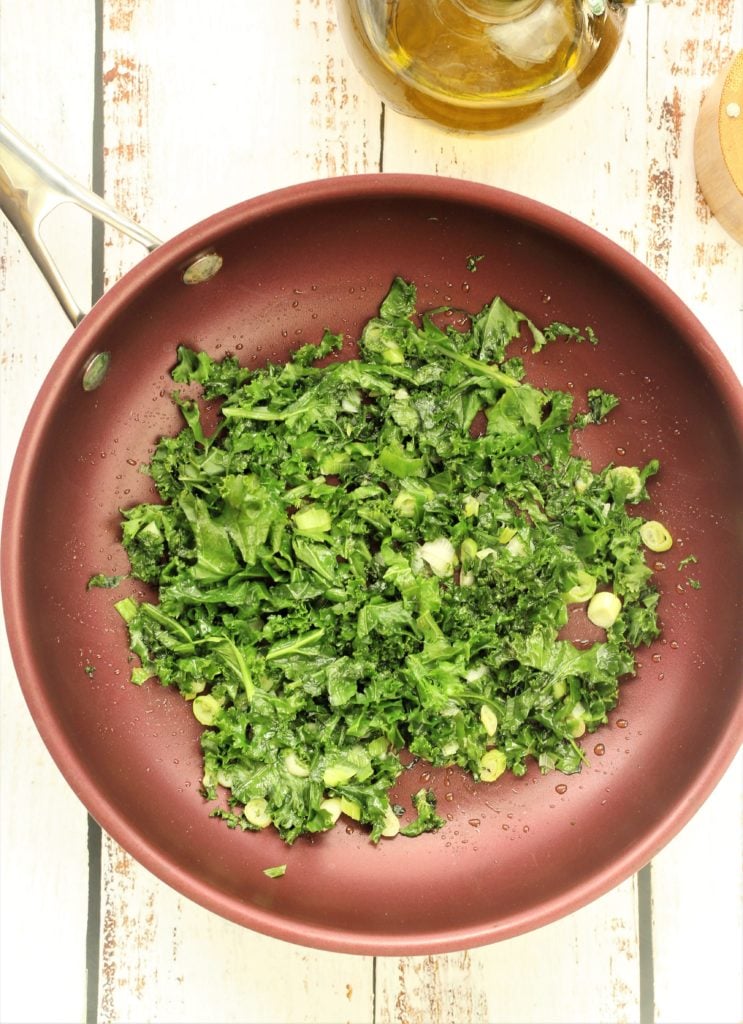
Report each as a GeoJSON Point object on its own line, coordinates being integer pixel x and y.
{"type": "Point", "coordinates": [171, 255]}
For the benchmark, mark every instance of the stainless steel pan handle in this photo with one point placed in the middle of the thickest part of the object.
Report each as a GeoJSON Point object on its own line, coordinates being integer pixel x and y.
{"type": "Point", "coordinates": [30, 188]}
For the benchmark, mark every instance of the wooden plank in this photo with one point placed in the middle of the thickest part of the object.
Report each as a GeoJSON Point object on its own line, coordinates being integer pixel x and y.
{"type": "Point", "coordinates": [577, 161]}
{"type": "Point", "coordinates": [635, 183]}
{"type": "Point", "coordinates": [696, 881]}
{"type": "Point", "coordinates": [685, 245]}
{"type": "Point", "coordinates": [165, 959]}
{"type": "Point", "coordinates": [583, 968]}
{"type": "Point", "coordinates": [593, 956]}
{"type": "Point", "coordinates": [698, 914]}
{"type": "Point", "coordinates": [277, 77]}
{"type": "Point", "coordinates": [44, 827]}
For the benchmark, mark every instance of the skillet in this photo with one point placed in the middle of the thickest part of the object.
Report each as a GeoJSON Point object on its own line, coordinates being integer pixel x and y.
{"type": "Point", "coordinates": [516, 854]}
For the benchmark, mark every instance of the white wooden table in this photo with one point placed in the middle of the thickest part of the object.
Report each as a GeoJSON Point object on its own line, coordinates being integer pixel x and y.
{"type": "Point", "coordinates": [178, 108]}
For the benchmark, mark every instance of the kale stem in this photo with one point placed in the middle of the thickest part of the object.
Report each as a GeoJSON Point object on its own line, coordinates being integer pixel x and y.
{"type": "Point", "coordinates": [286, 647]}
{"type": "Point", "coordinates": [477, 366]}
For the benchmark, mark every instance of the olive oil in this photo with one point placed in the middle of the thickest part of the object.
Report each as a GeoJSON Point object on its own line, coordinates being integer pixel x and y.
{"type": "Point", "coordinates": [481, 65]}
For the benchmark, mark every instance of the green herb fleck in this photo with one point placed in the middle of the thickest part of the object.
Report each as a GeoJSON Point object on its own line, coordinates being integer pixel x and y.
{"type": "Point", "coordinates": [230, 818]}
{"type": "Point", "coordinates": [106, 582]}
{"type": "Point", "coordinates": [600, 404]}
{"type": "Point", "coordinates": [472, 262]}
{"type": "Point", "coordinates": [276, 872]}
{"type": "Point", "coordinates": [689, 560]}
{"type": "Point", "coordinates": [557, 330]}
{"type": "Point", "coordinates": [427, 820]}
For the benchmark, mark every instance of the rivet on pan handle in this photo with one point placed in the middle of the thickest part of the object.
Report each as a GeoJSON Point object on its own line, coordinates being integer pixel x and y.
{"type": "Point", "coordinates": [30, 188]}
{"type": "Point", "coordinates": [202, 267]}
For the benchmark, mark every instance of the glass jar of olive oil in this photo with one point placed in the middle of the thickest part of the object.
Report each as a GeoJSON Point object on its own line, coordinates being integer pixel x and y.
{"type": "Point", "coordinates": [481, 65]}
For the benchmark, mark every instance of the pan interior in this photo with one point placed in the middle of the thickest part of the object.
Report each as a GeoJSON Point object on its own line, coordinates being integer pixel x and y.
{"type": "Point", "coordinates": [516, 853]}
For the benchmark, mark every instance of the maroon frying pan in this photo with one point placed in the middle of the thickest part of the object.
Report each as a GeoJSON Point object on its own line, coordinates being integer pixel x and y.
{"type": "Point", "coordinates": [515, 854]}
